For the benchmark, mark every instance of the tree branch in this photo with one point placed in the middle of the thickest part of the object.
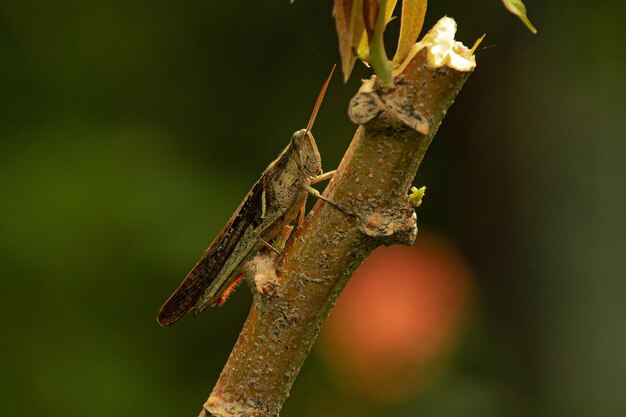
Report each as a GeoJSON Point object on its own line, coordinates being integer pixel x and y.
{"type": "Point", "coordinates": [397, 125]}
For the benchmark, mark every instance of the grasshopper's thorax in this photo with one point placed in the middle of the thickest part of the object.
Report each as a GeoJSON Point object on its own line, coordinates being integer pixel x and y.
{"type": "Point", "coordinates": [306, 155]}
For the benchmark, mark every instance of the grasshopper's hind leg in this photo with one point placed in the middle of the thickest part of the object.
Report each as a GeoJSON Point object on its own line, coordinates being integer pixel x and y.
{"type": "Point", "coordinates": [300, 215]}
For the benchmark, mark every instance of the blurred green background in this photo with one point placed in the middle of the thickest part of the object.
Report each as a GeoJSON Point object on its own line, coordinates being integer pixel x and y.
{"type": "Point", "coordinates": [130, 130]}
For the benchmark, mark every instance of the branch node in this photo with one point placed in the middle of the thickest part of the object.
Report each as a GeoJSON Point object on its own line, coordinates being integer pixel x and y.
{"type": "Point", "coordinates": [365, 106]}
{"type": "Point", "coordinates": [391, 106]}
{"type": "Point", "coordinates": [215, 407]}
{"type": "Point", "coordinates": [261, 273]}
{"type": "Point", "coordinates": [397, 225]}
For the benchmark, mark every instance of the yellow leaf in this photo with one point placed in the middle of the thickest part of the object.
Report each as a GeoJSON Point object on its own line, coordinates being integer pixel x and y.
{"type": "Point", "coordinates": [413, 12]}
{"type": "Point", "coordinates": [389, 6]}
{"type": "Point", "coordinates": [358, 26]}
{"type": "Point", "coordinates": [363, 51]}
{"type": "Point", "coordinates": [477, 43]}
{"type": "Point", "coordinates": [518, 9]}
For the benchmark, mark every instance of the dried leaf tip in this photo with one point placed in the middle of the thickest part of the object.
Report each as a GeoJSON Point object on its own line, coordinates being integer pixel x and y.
{"type": "Point", "coordinates": [477, 44]}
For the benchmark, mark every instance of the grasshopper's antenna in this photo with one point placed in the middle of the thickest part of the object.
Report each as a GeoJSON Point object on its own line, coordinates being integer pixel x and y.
{"type": "Point", "coordinates": [319, 100]}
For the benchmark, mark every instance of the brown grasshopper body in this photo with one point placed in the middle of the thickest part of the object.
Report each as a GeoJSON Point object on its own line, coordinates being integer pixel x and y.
{"type": "Point", "coordinates": [272, 203]}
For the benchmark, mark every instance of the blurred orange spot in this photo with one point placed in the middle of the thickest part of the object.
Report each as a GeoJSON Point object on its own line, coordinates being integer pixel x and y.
{"type": "Point", "coordinates": [397, 318]}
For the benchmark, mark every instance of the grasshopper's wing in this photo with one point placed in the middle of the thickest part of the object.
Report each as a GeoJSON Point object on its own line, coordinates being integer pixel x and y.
{"type": "Point", "coordinates": [198, 280]}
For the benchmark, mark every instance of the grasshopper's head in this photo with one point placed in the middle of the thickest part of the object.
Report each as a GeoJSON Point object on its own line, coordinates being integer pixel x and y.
{"type": "Point", "coordinates": [305, 152]}
{"type": "Point", "coordinates": [303, 144]}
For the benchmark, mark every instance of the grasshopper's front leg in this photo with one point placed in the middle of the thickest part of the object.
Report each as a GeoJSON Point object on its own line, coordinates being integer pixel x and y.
{"type": "Point", "coordinates": [323, 177]}
{"type": "Point", "coordinates": [316, 194]}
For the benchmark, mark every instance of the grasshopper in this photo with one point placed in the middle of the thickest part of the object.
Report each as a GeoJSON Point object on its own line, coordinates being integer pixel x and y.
{"type": "Point", "coordinates": [277, 198]}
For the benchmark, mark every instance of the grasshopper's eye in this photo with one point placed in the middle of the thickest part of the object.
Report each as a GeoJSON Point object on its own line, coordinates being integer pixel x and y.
{"type": "Point", "coordinates": [297, 138]}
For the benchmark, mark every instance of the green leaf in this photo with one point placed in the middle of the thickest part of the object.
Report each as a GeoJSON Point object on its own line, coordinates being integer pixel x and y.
{"type": "Point", "coordinates": [518, 9]}
{"type": "Point", "coordinates": [378, 56]}
{"type": "Point", "coordinates": [416, 196]}
{"type": "Point", "coordinates": [413, 12]}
